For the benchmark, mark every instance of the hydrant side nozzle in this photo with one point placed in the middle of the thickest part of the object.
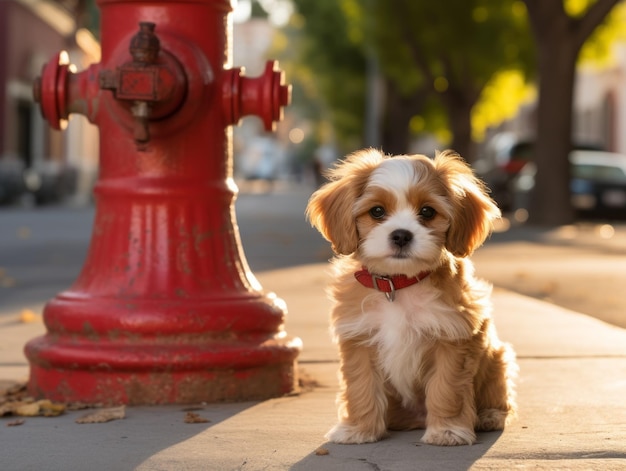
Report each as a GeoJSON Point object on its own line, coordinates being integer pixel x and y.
{"type": "Point", "coordinates": [50, 90]}
{"type": "Point", "coordinates": [263, 96]}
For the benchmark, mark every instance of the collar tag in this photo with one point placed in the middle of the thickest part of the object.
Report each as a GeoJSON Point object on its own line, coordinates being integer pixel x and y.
{"type": "Point", "coordinates": [387, 284]}
{"type": "Point", "coordinates": [390, 293]}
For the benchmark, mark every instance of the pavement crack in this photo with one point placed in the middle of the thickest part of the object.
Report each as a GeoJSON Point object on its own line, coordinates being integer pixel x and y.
{"type": "Point", "coordinates": [374, 466]}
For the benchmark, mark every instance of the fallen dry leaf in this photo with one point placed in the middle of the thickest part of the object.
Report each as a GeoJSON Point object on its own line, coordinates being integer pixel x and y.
{"type": "Point", "coordinates": [23, 232]}
{"type": "Point", "coordinates": [15, 423]}
{"type": "Point", "coordinates": [28, 316]}
{"type": "Point", "coordinates": [31, 408]}
{"type": "Point", "coordinates": [103, 415]}
{"type": "Point", "coordinates": [15, 400]}
{"type": "Point", "coordinates": [193, 418]}
{"type": "Point", "coordinates": [7, 282]}
{"type": "Point", "coordinates": [13, 392]}
{"type": "Point", "coordinates": [26, 409]}
{"type": "Point", "coordinates": [321, 451]}
{"type": "Point", "coordinates": [50, 409]}
{"type": "Point", "coordinates": [81, 406]}
{"type": "Point", "coordinates": [306, 382]}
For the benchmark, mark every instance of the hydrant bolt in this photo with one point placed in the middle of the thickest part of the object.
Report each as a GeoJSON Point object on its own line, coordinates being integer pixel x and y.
{"type": "Point", "coordinates": [145, 45]}
{"type": "Point", "coordinates": [150, 84]}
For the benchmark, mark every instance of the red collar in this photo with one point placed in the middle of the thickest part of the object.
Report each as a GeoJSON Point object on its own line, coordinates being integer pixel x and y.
{"type": "Point", "coordinates": [388, 284]}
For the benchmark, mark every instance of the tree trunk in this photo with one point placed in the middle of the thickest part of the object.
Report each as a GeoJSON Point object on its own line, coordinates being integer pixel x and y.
{"type": "Point", "coordinates": [550, 201]}
{"type": "Point", "coordinates": [558, 38]}
{"type": "Point", "coordinates": [398, 113]}
{"type": "Point", "coordinates": [460, 121]}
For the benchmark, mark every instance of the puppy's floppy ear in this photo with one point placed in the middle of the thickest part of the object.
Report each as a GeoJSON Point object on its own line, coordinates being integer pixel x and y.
{"type": "Point", "coordinates": [473, 210]}
{"type": "Point", "coordinates": [330, 207]}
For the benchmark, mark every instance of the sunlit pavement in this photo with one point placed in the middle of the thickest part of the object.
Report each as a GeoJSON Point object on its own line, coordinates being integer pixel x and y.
{"type": "Point", "coordinates": [581, 267]}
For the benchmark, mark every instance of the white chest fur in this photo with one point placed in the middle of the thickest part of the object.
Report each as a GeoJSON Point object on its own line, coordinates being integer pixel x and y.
{"type": "Point", "coordinates": [402, 331]}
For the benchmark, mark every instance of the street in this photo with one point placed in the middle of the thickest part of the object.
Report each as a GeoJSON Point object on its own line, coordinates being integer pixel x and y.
{"type": "Point", "coordinates": [582, 268]}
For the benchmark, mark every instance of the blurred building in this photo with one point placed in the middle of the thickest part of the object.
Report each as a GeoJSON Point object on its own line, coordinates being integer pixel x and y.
{"type": "Point", "coordinates": [600, 103]}
{"type": "Point", "coordinates": [34, 159]}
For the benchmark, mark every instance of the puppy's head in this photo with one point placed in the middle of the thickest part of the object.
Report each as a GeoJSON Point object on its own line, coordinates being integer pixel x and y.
{"type": "Point", "coordinates": [397, 214]}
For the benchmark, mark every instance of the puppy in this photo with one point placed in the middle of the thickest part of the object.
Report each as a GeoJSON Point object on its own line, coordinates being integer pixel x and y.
{"type": "Point", "coordinates": [418, 348]}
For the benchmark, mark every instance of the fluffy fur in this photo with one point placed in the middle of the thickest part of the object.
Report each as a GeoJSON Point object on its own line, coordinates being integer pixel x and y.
{"type": "Point", "coordinates": [431, 358]}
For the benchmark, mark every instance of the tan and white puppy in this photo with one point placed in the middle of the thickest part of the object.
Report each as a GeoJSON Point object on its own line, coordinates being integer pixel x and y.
{"type": "Point", "coordinates": [418, 348]}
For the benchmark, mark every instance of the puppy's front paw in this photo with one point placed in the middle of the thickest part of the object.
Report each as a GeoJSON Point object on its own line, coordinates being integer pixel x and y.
{"type": "Point", "coordinates": [449, 437]}
{"type": "Point", "coordinates": [346, 433]}
{"type": "Point", "coordinates": [491, 419]}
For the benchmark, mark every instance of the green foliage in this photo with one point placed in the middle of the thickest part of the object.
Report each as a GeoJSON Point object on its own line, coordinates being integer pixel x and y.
{"type": "Point", "coordinates": [331, 68]}
{"type": "Point", "coordinates": [453, 47]}
{"type": "Point", "coordinates": [458, 48]}
{"type": "Point", "coordinates": [91, 18]}
{"type": "Point", "coordinates": [480, 51]}
{"type": "Point", "coordinates": [456, 39]}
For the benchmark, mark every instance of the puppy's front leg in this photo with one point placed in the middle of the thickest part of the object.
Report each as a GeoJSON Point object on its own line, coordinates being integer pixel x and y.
{"type": "Point", "coordinates": [362, 402]}
{"type": "Point", "coordinates": [450, 401]}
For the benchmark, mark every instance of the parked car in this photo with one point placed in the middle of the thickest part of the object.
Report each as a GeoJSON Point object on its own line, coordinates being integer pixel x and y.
{"type": "Point", "coordinates": [504, 158]}
{"type": "Point", "coordinates": [51, 182]}
{"type": "Point", "coordinates": [12, 185]}
{"type": "Point", "coordinates": [598, 184]}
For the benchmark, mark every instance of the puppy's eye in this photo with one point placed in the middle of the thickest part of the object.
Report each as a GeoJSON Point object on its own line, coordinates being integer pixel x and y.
{"type": "Point", "coordinates": [377, 212]}
{"type": "Point", "coordinates": [427, 212]}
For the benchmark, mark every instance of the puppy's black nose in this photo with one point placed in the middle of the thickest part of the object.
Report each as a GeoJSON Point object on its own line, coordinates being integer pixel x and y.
{"type": "Point", "coordinates": [401, 237]}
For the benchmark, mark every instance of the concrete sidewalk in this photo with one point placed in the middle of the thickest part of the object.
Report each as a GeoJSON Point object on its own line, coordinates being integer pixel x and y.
{"type": "Point", "coordinates": [571, 395]}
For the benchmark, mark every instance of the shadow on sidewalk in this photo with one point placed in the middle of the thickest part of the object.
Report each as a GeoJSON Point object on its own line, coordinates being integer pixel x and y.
{"type": "Point", "coordinates": [146, 434]}
{"type": "Point", "coordinates": [401, 451]}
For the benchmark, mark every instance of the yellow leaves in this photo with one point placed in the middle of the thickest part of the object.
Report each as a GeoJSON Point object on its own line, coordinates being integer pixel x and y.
{"type": "Point", "coordinates": [598, 50]}
{"type": "Point", "coordinates": [500, 100]}
{"type": "Point", "coordinates": [576, 8]}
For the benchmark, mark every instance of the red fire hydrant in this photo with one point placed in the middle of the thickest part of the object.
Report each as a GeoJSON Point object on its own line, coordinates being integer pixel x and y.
{"type": "Point", "coordinates": [165, 309]}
